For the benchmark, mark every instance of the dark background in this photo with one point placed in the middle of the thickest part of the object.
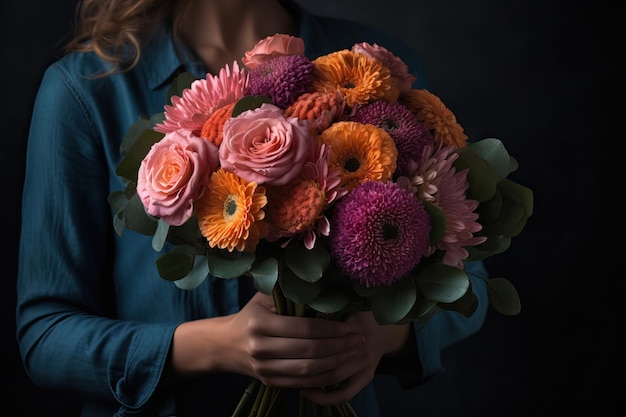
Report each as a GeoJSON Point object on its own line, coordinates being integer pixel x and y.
{"type": "Point", "coordinates": [539, 74]}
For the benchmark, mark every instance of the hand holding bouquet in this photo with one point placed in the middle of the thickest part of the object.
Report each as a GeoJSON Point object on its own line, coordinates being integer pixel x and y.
{"type": "Point", "coordinates": [331, 182]}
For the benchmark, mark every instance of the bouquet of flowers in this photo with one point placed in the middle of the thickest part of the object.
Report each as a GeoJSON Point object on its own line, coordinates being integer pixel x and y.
{"type": "Point", "coordinates": [331, 182]}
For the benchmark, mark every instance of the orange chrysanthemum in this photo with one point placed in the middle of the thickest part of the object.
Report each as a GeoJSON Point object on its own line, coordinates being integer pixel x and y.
{"type": "Point", "coordinates": [431, 111]}
{"type": "Point", "coordinates": [295, 206]}
{"type": "Point", "coordinates": [230, 213]}
{"type": "Point", "coordinates": [214, 125]}
{"type": "Point", "coordinates": [361, 152]}
{"type": "Point", "coordinates": [358, 78]}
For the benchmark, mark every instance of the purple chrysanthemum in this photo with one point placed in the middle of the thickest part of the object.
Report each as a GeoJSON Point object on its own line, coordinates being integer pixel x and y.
{"type": "Point", "coordinates": [282, 79]}
{"type": "Point", "coordinates": [409, 134]}
{"type": "Point", "coordinates": [379, 232]}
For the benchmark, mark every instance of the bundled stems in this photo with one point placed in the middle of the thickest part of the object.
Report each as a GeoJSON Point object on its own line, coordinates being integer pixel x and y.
{"type": "Point", "coordinates": [270, 401]}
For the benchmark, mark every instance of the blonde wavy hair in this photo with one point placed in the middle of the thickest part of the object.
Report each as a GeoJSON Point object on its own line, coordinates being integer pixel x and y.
{"type": "Point", "coordinates": [116, 29]}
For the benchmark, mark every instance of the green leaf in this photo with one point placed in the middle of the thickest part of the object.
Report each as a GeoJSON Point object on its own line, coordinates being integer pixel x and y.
{"type": "Point", "coordinates": [134, 131]}
{"type": "Point", "coordinates": [308, 265]}
{"type": "Point", "coordinates": [493, 151]}
{"type": "Point", "coordinates": [331, 302]}
{"type": "Point", "coordinates": [160, 235]}
{"type": "Point", "coordinates": [198, 274]}
{"type": "Point", "coordinates": [492, 246]}
{"type": "Point", "coordinates": [394, 304]}
{"type": "Point", "coordinates": [187, 232]}
{"type": "Point", "coordinates": [129, 165]}
{"type": "Point", "coordinates": [249, 103]}
{"type": "Point", "coordinates": [442, 283]}
{"type": "Point", "coordinates": [465, 305]}
{"type": "Point", "coordinates": [514, 212]}
{"type": "Point", "coordinates": [297, 290]}
{"type": "Point", "coordinates": [265, 275]}
{"type": "Point", "coordinates": [437, 222]}
{"type": "Point", "coordinates": [481, 177]}
{"type": "Point", "coordinates": [230, 265]}
{"type": "Point", "coordinates": [503, 296]}
{"type": "Point", "coordinates": [176, 264]}
{"type": "Point", "coordinates": [180, 84]}
{"type": "Point", "coordinates": [137, 219]}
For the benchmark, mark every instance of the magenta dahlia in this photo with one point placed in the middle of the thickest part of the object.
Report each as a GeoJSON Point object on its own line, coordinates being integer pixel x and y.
{"type": "Point", "coordinates": [282, 79]}
{"type": "Point", "coordinates": [379, 232]}
{"type": "Point", "coordinates": [409, 134]}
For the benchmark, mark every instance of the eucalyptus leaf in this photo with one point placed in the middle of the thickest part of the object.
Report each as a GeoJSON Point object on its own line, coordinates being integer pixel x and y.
{"type": "Point", "coordinates": [481, 176]}
{"type": "Point", "coordinates": [395, 303]}
{"type": "Point", "coordinates": [437, 222]}
{"type": "Point", "coordinates": [503, 296]}
{"type": "Point", "coordinates": [249, 103]}
{"type": "Point", "coordinates": [160, 235]}
{"type": "Point", "coordinates": [137, 219]}
{"type": "Point", "coordinates": [175, 265]}
{"type": "Point", "coordinates": [198, 274]}
{"type": "Point", "coordinates": [492, 246]}
{"type": "Point", "coordinates": [308, 265]}
{"type": "Point", "coordinates": [442, 283]}
{"type": "Point", "coordinates": [180, 84]}
{"type": "Point", "coordinates": [331, 302]}
{"type": "Point", "coordinates": [265, 275]}
{"type": "Point", "coordinates": [297, 290]}
{"type": "Point", "coordinates": [133, 132]}
{"type": "Point", "coordinates": [129, 165]}
{"type": "Point", "coordinates": [493, 151]}
{"type": "Point", "coordinates": [465, 305]}
{"type": "Point", "coordinates": [231, 266]}
{"type": "Point", "coordinates": [187, 232]}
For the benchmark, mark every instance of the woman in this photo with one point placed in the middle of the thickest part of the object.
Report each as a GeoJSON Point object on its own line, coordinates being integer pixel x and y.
{"type": "Point", "coordinates": [93, 315]}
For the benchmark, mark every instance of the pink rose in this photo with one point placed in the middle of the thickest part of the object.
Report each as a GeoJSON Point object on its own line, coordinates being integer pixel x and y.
{"type": "Point", "coordinates": [264, 146]}
{"type": "Point", "coordinates": [397, 67]}
{"type": "Point", "coordinates": [173, 174]}
{"type": "Point", "coordinates": [271, 47]}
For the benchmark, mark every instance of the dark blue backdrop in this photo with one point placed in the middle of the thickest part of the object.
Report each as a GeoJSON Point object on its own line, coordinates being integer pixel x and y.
{"type": "Point", "coordinates": [542, 76]}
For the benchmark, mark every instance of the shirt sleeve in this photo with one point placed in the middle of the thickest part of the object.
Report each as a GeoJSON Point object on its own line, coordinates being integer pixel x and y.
{"type": "Point", "coordinates": [65, 298]}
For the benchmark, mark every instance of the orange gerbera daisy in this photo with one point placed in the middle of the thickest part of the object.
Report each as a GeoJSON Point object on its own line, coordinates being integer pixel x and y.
{"type": "Point", "coordinates": [361, 152]}
{"type": "Point", "coordinates": [431, 111]}
{"type": "Point", "coordinates": [357, 77]}
{"type": "Point", "coordinates": [230, 212]}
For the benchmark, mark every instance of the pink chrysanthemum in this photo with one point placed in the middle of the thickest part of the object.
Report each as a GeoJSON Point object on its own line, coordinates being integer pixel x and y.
{"type": "Point", "coordinates": [409, 134]}
{"type": "Point", "coordinates": [197, 103]}
{"type": "Point", "coordinates": [282, 79]}
{"type": "Point", "coordinates": [434, 179]}
{"type": "Point", "coordinates": [298, 208]}
{"type": "Point", "coordinates": [379, 232]}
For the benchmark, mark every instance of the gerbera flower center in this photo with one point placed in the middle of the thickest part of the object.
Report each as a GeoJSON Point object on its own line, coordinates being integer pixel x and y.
{"type": "Point", "coordinates": [352, 164]}
{"type": "Point", "coordinates": [230, 207]}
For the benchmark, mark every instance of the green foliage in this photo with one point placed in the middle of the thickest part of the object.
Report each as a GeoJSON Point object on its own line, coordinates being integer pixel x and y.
{"type": "Point", "coordinates": [249, 103]}
{"type": "Point", "coordinates": [503, 296]}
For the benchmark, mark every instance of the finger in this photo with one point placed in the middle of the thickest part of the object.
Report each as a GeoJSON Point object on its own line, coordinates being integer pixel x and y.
{"type": "Point", "coordinates": [297, 327]}
{"type": "Point", "coordinates": [342, 393]}
{"type": "Point", "coordinates": [300, 348]}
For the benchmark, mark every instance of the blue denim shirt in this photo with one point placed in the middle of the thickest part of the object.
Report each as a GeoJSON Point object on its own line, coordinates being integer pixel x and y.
{"type": "Point", "coordinates": [93, 315]}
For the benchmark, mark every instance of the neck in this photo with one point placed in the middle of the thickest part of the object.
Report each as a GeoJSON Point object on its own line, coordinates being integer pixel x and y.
{"type": "Point", "coordinates": [221, 31]}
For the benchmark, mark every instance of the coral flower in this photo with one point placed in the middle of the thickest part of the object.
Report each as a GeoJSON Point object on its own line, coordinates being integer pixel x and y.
{"type": "Point", "coordinates": [197, 103]}
{"type": "Point", "coordinates": [359, 78]}
{"type": "Point", "coordinates": [434, 179]}
{"type": "Point", "coordinates": [409, 134]}
{"type": "Point", "coordinates": [230, 212]}
{"type": "Point", "coordinates": [213, 127]}
{"type": "Point", "coordinates": [436, 116]}
{"type": "Point", "coordinates": [282, 79]}
{"type": "Point", "coordinates": [360, 152]}
{"type": "Point", "coordinates": [298, 208]}
{"type": "Point", "coordinates": [379, 232]}
{"type": "Point", "coordinates": [319, 109]}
